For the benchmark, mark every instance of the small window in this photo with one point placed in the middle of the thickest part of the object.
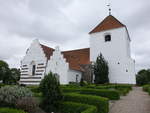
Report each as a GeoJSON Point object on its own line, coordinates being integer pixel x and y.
{"type": "Point", "coordinates": [107, 38]}
{"type": "Point", "coordinates": [118, 62]}
{"type": "Point", "coordinates": [33, 69]}
{"type": "Point", "coordinates": [126, 70]}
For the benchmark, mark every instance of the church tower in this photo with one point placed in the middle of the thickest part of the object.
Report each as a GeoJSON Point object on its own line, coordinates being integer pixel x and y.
{"type": "Point", "coordinates": [111, 38]}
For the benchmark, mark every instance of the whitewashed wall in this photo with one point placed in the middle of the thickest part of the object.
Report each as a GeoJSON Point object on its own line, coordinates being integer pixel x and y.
{"type": "Point", "coordinates": [57, 64]}
{"type": "Point", "coordinates": [116, 52]}
{"type": "Point", "coordinates": [72, 75]}
{"type": "Point", "coordinates": [34, 54]}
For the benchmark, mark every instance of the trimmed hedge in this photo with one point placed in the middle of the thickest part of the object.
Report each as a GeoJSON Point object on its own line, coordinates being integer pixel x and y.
{"type": "Point", "coordinates": [72, 107]}
{"type": "Point", "coordinates": [101, 103]}
{"type": "Point", "coordinates": [146, 87]}
{"type": "Point", "coordinates": [34, 89]}
{"type": "Point", "coordinates": [10, 110]}
{"type": "Point", "coordinates": [115, 86]}
{"type": "Point", "coordinates": [111, 94]}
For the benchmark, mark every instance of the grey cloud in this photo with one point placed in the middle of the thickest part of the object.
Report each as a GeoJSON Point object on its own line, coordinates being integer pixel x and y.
{"type": "Point", "coordinates": [67, 23]}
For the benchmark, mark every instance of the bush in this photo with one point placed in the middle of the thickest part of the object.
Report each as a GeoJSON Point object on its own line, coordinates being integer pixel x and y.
{"type": "Point", "coordinates": [28, 104]}
{"type": "Point", "coordinates": [101, 103]}
{"type": "Point", "coordinates": [143, 77]}
{"type": "Point", "coordinates": [71, 107]}
{"type": "Point", "coordinates": [2, 85]}
{"type": "Point", "coordinates": [34, 89]}
{"type": "Point", "coordinates": [111, 94]}
{"type": "Point", "coordinates": [10, 110]}
{"type": "Point", "coordinates": [101, 70]}
{"type": "Point", "coordinates": [51, 92]}
{"type": "Point", "coordinates": [10, 94]}
{"type": "Point", "coordinates": [146, 87]}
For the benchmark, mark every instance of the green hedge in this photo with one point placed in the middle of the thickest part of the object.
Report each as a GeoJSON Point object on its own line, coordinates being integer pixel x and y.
{"type": "Point", "coordinates": [34, 89]}
{"type": "Point", "coordinates": [146, 87]}
{"type": "Point", "coordinates": [1, 85]}
{"type": "Point", "coordinates": [111, 94]}
{"type": "Point", "coordinates": [101, 103]}
{"type": "Point", "coordinates": [72, 107]}
{"type": "Point", "coordinates": [115, 86]}
{"type": "Point", "coordinates": [10, 110]}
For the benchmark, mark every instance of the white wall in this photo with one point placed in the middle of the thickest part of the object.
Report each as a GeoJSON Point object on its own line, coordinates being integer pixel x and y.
{"type": "Point", "coordinates": [57, 64]}
{"type": "Point", "coordinates": [116, 51]}
{"type": "Point", "coordinates": [34, 54]}
{"type": "Point", "coordinates": [72, 75]}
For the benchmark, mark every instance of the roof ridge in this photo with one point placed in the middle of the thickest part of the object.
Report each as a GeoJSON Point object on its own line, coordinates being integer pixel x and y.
{"type": "Point", "coordinates": [110, 22]}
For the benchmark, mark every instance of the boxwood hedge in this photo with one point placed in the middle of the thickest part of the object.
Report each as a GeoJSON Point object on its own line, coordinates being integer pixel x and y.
{"type": "Point", "coordinates": [72, 107]}
{"type": "Point", "coordinates": [111, 94]}
{"type": "Point", "coordinates": [101, 103]}
{"type": "Point", "coordinates": [10, 110]}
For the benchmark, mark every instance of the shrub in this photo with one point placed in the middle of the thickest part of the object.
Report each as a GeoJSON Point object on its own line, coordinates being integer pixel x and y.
{"type": "Point", "coordinates": [28, 104]}
{"type": "Point", "coordinates": [146, 88]}
{"type": "Point", "coordinates": [51, 92]}
{"type": "Point", "coordinates": [100, 102]}
{"type": "Point", "coordinates": [143, 77]}
{"type": "Point", "coordinates": [71, 107]}
{"type": "Point", "coordinates": [10, 110]}
{"type": "Point", "coordinates": [2, 85]}
{"type": "Point", "coordinates": [34, 89]}
{"type": "Point", "coordinates": [111, 94]}
{"type": "Point", "coordinates": [10, 94]}
{"type": "Point", "coordinates": [101, 70]}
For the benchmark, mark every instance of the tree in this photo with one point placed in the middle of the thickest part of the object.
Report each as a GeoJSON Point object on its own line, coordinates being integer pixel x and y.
{"type": "Point", "coordinates": [15, 75]}
{"type": "Point", "coordinates": [7, 75]}
{"type": "Point", "coordinates": [101, 70]}
{"type": "Point", "coordinates": [143, 77]}
{"type": "Point", "coordinates": [4, 70]}
{"type": "Point", "coordinates": [51, 93]}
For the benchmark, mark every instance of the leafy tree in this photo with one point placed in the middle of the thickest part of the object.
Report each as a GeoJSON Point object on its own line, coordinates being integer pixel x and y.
{"type": "Point", "coordinates": [143, 77]}
{"type": "Point", "coordinates": [7, 75]}
{"type": "Point", "coordinates": [15, 75]}
{"type": "Point", "coordinates": [50, 88]}
{"type": "Point", "coordinates": [4, 70]}
{"type": "Point", "coordinates": [101, 70]}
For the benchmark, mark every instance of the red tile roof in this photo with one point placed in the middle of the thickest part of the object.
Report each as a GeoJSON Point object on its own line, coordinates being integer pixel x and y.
{"type": "Point", "coordinates": [47, 50]}
{"type": "Point", "coordinates": [110, 22]}
{"type": "Point", "coordinates": [77, 57]}
{"type": "Point", "coordinates": [74, 57]}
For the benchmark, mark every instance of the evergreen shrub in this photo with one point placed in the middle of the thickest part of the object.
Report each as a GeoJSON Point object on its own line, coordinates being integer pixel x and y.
{"type": "Point", "coordinates": [51, 92]}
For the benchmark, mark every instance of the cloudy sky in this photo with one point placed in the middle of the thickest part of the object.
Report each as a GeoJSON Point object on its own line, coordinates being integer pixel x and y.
{"type": "Point", "coordinates": [67, 22]}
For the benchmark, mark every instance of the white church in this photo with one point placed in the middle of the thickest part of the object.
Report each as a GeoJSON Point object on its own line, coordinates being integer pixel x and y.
{"type": "Point", "coordinates": [110, 37]}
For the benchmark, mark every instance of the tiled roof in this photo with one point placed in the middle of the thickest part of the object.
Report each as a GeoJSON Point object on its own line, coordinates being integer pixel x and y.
{"type": "Point", "coordinates": [110, 22]}
{"type": "Point", "coordinates": [74, 57]}
{"type": "Point", "coordinates": [47, 50]}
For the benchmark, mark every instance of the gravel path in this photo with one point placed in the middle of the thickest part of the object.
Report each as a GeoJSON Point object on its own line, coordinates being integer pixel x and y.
{"type": "Point", "coordinates": [136, 101]}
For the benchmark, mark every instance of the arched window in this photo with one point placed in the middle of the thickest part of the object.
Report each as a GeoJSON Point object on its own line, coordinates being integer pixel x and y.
{"type": "Point", "coordinates": [107, 38]}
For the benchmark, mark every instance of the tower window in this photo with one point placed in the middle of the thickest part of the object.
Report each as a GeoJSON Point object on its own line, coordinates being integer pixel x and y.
{"type": "Point", "coordinates": [33, 70]}
{"type": "Point", "coordinates": [107, 38]}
